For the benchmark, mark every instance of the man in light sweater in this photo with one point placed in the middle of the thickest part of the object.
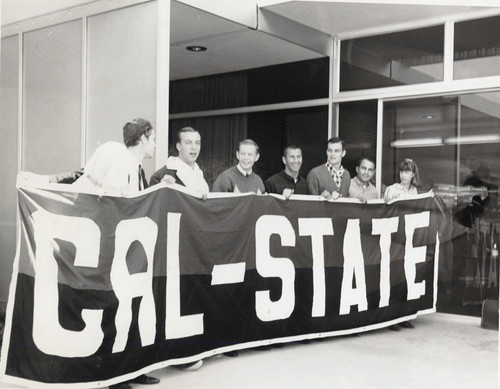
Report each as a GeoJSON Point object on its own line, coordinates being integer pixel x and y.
{"type": "Point", "coordinates": [241, 178]}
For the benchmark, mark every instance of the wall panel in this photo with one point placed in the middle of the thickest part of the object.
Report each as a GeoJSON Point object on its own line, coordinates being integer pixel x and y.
{"type": "Point", "coordinates": [121, 72]}
{"type": "Point", "coordinates": [52, 98]}
{"type": "Point", "coordinates": [8, 159]}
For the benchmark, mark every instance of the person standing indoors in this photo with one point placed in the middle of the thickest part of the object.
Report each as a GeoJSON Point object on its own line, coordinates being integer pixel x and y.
{"type": "Point", "coordinates": [241, 178]}
{"type": "Point", "coordinates": [288, 181]}
{"type": "Point", "coordinates": [406, 187]}
{"type": "Point", "coordinates": [361, 186]}
{"type": "Point", "coordinates": [330, 180]}
{"type": "Point", "coordinates": [183, 169]}
{"type": "Point", "coordinates": [408, 181]}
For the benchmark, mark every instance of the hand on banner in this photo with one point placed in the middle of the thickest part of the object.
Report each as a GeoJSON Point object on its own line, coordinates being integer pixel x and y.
{"type": "Point", "coordinates": [330, 196]}
{"type": "Point", "coordinates": [287, 192]}
{"type": "Point", "coordinates": [168, 179]}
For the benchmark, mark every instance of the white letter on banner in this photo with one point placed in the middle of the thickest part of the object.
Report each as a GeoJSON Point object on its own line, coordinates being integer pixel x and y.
{"type": "Point", "coordinates": [267, 266]}
{"type": "Point", "coordinates": [177, 326]}
{"type": "Point", "coordinates": [353, 265]}
{"type": "Point", "coordinates": [384, 228]}
{"type": "Point", "coordinates": [414, 255]}
{"type": "Point", "coordinates": [317, 228]}
{"type": "Point", "coordinates": [48, 335]}
{"type": "Point", "coordinates": [127, 286]}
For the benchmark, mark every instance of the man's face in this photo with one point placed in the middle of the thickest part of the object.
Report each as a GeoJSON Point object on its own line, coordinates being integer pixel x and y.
{"type": "Point", "coordinates": [293, 160]}
{"type": "Point", "coordinates": [335, 153]}
{"type": "Point", "coordinates": [150, 145]}
{"type": "Point", "coordinates": [247, 155]}
{"type": "Point", "coordinates": [189, 147]}
{"type": "Point", "coordinates": [365, 171]}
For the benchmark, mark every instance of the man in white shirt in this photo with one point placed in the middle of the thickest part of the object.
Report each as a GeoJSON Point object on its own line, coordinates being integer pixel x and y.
{"type": "Point", "coordinates": [183, 169]}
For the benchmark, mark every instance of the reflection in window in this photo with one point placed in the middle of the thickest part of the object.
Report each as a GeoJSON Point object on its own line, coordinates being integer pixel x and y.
{"type": "Point", "coordinates": [400, 58]}
{"type": "Point", "coordinates": [477, 48]}
{"type": "Point", "coordinates": [416, 129]}
{"type": "Point", "coordinates": [455, 142]}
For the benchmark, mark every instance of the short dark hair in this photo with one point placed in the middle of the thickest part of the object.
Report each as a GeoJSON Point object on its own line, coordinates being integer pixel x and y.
{"type": "Point", "coordinates": [183, 130]}
{"type": "Point", "coordinates": [290, 147]}
{"type": "Point", "coordinates": [369, 159]}
{"type": "Point", "coordinates": [249, 142]}
{"type": "Point", "coordinates": [336, 139]}
{"type": "Point", "coordinates": [410, 165]}
{"type": "Point", "coordinates": [134, 130]}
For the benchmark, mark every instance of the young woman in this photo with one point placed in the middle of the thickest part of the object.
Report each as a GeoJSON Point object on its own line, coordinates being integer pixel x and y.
{"type": "Point", "coordinates": [408, 177]}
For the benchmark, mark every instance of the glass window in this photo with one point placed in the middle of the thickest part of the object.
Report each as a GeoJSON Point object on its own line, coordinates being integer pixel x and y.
{"type": "Point", "coordinates": [272, 130]}
{"type": "Point", "coordinates": [358, 129]}
{"type": "Point", "coordinates": [400, 58]}
{"type": "Point", "coordinates": [455, 142]}
{"type": "Point", "coordinates": [477, 48]}
{"type": "Point", "coordinates": [53, 98]}
{"type": "Point", "coordinates": [121, 73]}
{"type": "Point", "coordinates": [296, 81]}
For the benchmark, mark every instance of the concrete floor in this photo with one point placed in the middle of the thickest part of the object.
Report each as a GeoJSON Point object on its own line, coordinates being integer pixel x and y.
{"type": "Point", "coordinates": [443, 351]}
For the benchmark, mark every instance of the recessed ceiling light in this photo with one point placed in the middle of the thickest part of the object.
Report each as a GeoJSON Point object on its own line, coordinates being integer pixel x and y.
{"type": "Point", "coordinates": [428, 116]}
{"type": "Point", "coordinates": [196, 49]}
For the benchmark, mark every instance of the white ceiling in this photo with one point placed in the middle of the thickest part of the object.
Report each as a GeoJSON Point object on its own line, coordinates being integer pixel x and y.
{"type": "Point", "coordinates": [232, 46]}
{"type": "Point", "coordinates": [235, 47]}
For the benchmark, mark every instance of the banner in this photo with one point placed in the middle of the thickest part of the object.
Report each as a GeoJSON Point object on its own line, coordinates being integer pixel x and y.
{"type": "Point", "coordinates": [105, 288]}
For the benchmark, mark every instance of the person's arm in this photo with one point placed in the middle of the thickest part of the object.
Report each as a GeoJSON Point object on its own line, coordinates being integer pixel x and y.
{"type": "Point", "coordinates": [390, 193]}
{"type": "Point", "coordinates": [65, 178]}
{"type": "Point", "coordinates": [269, 186]}
{"type": "Point", "coordinates": [222, 184]}
{"type": "Point", "coordinates": [313, 183]}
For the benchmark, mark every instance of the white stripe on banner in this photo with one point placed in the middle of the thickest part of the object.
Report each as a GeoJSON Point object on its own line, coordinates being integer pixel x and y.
{"type": "Point", "coordinates": [230, 273]}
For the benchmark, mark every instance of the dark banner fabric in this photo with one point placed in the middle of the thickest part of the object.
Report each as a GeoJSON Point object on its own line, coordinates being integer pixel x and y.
{"type": "Point", "coordinates": [105, 288]}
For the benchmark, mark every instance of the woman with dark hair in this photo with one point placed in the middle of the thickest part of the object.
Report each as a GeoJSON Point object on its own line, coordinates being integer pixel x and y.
{"type": "Point", "coordinates": [408, 180]}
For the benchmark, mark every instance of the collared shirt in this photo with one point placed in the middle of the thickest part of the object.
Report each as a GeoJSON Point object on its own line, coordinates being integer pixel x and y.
{"type": "Point", "coordinates": [281, 181]}
{"type": "Point", "coordinates": [246, 174]}
{"type": "Point", "coordinates": [335, 173]}
{"type": "Point", "coordinates": [191, 176]}
{"type": "Point", "coordinates": [398, 191]}
{"type": "Point", "coordinates": [362, 191]}
{"type": "Point", "coordinates": [113, 169]}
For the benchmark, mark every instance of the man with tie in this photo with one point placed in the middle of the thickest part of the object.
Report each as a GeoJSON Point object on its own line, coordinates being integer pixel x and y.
{"type": "Point", "coordinates": [116, 168]}
{"type": "Point", "coordinates": [330, 179]}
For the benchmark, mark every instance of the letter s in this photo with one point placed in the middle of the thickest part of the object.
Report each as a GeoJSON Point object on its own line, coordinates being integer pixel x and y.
{"type": "Point", "coordinates": [267, 266]}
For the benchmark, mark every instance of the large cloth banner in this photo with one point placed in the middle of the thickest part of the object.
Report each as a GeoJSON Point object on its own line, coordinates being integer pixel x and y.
{"type": "Point", "coordinates": [105, 288]}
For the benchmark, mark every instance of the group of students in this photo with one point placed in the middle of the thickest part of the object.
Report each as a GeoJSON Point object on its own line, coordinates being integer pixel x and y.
{"type": "Point", "coordinates": [329, 180]}
{"type": "Point", "coordinates": [116, 168]}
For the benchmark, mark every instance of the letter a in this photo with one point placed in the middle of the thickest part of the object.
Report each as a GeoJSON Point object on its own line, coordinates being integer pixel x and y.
{"type": "Point", "coordinates": [353, 265]}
